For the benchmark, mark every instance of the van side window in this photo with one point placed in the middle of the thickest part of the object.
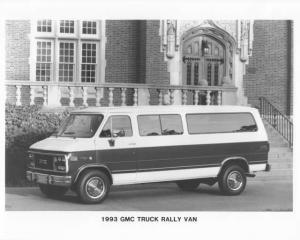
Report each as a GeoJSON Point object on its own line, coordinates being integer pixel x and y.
{"type": "Point", "coordinates": [165, 124]}
{"type": "Point", "coordinates": [171, 124]}
{"type": "Point", "coordinates": [149, 125]}
{"type": "Point", "coordinates": [118, 126]}
{"type": "Point", "coordinates": [220, 123]}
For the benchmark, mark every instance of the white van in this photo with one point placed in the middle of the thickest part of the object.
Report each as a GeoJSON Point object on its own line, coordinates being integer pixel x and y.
{"type": "Point", "coordinates": [100, 146]}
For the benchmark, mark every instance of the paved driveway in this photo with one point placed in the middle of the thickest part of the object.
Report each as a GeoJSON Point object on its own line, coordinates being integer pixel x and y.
{"type": "Point", "coordinates": [273, 195]}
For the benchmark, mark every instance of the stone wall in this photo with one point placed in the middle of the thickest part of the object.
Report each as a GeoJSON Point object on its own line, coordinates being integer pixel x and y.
{"type": "Point", "coordinates": [17, 47]}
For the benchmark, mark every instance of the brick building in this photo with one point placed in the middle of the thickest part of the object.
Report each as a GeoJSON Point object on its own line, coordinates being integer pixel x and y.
{"type": "Point", "coordinates": [135, 62]}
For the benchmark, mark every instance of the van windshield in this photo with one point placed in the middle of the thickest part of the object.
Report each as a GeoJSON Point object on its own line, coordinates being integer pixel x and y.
{"type": "Point", "coordinates": [79, 126]}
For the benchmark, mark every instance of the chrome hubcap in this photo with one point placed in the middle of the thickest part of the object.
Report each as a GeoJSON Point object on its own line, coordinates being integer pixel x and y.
{"type": "Point", "coordinates": [95, 187]}
{"type": "Point", "coordinates": [235, 180]}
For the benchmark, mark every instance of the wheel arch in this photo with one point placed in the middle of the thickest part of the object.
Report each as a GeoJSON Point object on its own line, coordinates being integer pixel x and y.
{"type": "Point", "coordinates": [86, 168]}
{"type": "Point", "coordinates": [238, 160]}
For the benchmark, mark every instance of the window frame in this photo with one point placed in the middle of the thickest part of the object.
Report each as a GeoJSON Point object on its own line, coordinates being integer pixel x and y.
{"type": "Point", "coordinates": [172, 114]}
{"type": "Point", "coordinates": [160, 124]}
{"type": "Point", "coordinates": [110, 117]}
{"type": "Point", "coordinates": [52, 58]}
{"type": "Point", "coordinates": [81, 114]}
{"type": "Point", "coordinates": [58, 59]}
{"type": "Point", "coordinates": [223, 58]}
{"type": "Point", "coordinates": [67, 35]}
{"type": "Point", "coordinates": [89, 36]}
{"type": "Point", "coordinates": [137, 119]}
{"type": "Point", "coordinates": [249, 113]}
{"type": "Point", "coordinates": [97, 72]}
{"type": "Point", "coordinates": [44, 34]}
{"type": "Point", "coordinates": [55, 37]}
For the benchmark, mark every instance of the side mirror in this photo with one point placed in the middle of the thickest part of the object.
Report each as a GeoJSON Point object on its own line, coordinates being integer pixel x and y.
{"type": "Point", "coordinates": [111, 142]}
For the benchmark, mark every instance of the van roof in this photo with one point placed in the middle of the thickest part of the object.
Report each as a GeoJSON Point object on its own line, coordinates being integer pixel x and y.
{"type": "Point", "coordinates": [152, 109]}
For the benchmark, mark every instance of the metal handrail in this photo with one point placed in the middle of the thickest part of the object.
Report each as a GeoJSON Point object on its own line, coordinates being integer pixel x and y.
{"type": "Point", "coordinates": [277, 119]}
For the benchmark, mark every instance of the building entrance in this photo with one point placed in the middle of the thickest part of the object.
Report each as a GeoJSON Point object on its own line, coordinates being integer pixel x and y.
{"type": "Point", "coordinates": [203, 61]}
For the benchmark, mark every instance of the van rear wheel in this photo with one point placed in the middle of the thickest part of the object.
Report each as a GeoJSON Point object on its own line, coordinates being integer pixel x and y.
{"type": "Point", "coordinates": [188, 185]}
{"type": "Point", "coordinates": [93, 186]}
{"type": "Point", "coordinates": [232, 180]}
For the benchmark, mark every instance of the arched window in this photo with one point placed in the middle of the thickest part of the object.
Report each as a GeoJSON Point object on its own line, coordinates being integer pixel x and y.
{"type": "Point", "coordinates": [204, 58]}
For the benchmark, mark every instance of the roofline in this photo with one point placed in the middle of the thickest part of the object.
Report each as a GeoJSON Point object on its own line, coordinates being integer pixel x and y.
{"type": "Point", "coordinates": [156, 108]}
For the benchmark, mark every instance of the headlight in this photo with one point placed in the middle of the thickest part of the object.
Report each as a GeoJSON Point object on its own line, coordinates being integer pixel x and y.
{"type": "Point", "coordinates": [60, 163]}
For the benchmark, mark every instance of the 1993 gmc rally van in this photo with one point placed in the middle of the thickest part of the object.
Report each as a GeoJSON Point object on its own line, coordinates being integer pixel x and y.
{"type": "Point", "coordinates": [97, 147]}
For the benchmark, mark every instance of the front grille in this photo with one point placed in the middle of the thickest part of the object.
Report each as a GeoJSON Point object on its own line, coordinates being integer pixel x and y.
{"type": "Point", "coordinates": [44, 161]}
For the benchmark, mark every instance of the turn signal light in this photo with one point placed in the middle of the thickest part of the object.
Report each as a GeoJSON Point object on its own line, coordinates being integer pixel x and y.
{"type": "Point", "coordinates": [61, 168]}
{"type": "Point", "coordinates": [31, 160]}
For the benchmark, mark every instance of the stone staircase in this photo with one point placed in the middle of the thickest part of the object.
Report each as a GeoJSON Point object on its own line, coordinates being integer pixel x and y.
{"type": "Point", "coordinates": [280, 158]}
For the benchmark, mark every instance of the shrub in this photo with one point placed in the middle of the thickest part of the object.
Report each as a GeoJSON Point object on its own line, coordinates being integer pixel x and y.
{"type": "Point", "coordinates": [25, 125]}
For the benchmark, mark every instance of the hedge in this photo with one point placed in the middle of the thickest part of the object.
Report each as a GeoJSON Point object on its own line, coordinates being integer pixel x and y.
{"type": "Point", "coordinates": [25, 125]}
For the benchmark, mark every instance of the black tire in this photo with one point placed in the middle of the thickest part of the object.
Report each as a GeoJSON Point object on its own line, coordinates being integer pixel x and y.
{"type": "Point", "coordinates": [53, 191]}
{"type": "Point", "coordinates": [188, 185]}
{"type": "Point", "coordinates": [232, 180]}
{"type": "Point", "coordinates": [93, 186]}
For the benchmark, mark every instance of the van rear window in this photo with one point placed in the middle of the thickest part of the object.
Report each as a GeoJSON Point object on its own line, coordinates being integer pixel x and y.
{"type": "Point", "coordinates": [220, 123]}
{"type": "Point", "coordinates": [164, 124]}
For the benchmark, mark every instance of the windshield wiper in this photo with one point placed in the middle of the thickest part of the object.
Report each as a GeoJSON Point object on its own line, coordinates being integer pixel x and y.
{"type": "Point", "coordinates": [54, 134]}
{"type": "Point", "coordinates": [68, 133]}
{"type": "Point", "coordinates": [71, 133]}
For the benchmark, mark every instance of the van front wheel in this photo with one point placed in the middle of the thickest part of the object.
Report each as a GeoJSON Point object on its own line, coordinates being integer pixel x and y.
{"type": "Point", "coordinates": [93, 186]}
{"type": "Point", "coordinates": [188, 185]}
{"type": "Point", "coordinates": [232, 180]}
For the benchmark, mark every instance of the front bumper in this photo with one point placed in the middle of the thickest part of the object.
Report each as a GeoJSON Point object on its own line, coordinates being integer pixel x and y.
{"type": "Point", "coordinates": [49, 179]}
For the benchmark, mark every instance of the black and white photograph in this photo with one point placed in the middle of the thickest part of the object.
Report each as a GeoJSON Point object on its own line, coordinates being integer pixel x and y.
{"type": "Point", "coordinates": [148, 120]}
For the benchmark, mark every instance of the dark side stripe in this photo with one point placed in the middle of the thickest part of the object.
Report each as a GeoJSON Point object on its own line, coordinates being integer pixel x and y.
{"type": "Point", "coordinates": [180, 157]}
{"type": "Point", "coordinates": [178, 168]}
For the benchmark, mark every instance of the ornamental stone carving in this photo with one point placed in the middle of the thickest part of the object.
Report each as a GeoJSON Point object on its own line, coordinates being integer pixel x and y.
{"type": "Point", "coordinates": [170, 37]}
{"type": "Point", "coordinates": [244, 39]}
{"type": "Point", "coordinates": [240, 30]}
{"type": "Point", "coordinates": [227, 25]}
{"type": "Point", "coordinates": [235, 36]}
